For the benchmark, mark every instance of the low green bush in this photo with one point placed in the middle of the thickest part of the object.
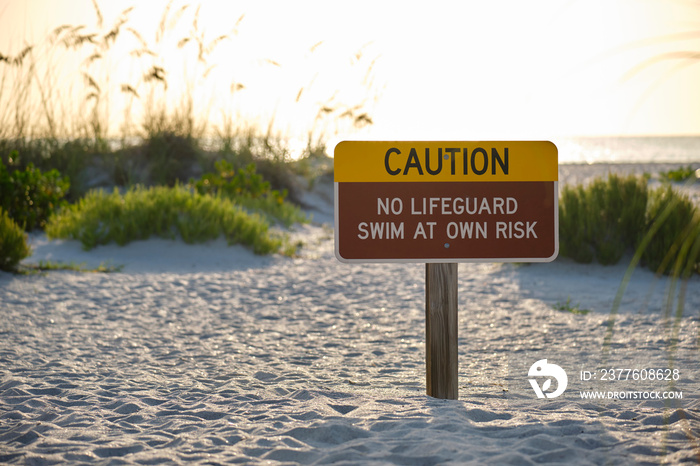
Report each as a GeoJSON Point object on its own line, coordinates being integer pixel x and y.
{"type": "Point", "coordinates": [676, 223]}
{"type": "Point", "coordinates": [248, 189]}
{"type": "Point", "coordinates": [601, 221]}
{"type": "Point", "coordinates": [100, 218]}
{"type": "Point", "coordinates": [232, 183]}
{"type": "Point", "coordinates": [679, 174]}
{"type": "Point", "coordinates": [30, 196]}
{"type": "Point", "coordinates": [70, 158]}
{"type": "Point", "coordinates": [13, 243]}
{"type": "Point", "coordinates": [574, 238]}
{"type": "Point", "coordinates": [607, 218]}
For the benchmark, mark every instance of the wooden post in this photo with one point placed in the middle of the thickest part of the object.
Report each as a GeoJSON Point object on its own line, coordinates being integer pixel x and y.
{"type": "Point", "coordinates": [441, 330]}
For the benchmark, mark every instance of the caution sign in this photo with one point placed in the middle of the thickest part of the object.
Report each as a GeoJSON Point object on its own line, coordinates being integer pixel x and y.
{"type": "Point", "coordinates": [476, 201]}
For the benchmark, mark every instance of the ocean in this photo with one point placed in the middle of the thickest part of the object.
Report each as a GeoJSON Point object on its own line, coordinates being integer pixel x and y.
{"type": "Point", "coordinates": [671, 149]}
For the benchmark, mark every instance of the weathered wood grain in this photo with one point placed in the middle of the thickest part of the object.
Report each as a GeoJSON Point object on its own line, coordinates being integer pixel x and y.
{"type": "Point", "coordinates": [441, 330]}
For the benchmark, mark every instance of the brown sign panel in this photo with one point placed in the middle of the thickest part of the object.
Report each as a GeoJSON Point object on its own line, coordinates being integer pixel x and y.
{"type": "Point", "coordinates": [446, 201]}
{"type": "Point", "coordinates": [446, 221]}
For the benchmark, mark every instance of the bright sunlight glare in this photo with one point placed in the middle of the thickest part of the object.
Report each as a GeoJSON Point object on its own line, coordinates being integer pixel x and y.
{"type": "Point", "coordinates": [497, 69]}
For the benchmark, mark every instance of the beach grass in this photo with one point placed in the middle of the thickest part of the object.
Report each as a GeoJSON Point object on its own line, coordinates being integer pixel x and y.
{"type": "Point", "coordinates": [30, 196]}
{"type": "Point", "coordinates": [162, 139]}
{"type": "Point", "coordinates": [65, 109]}
{"type": "Point", "coordinates": [13, 243]}
{"type": "Point", "coordinates": [611, 217]}
{"type": "Point", "coordinates": [250, 190]}
{"type": "Point", "coordinates": [679, 174]}
{"type": "Point", "coordinates": [47, 266]}
{"type": "Point", "coordinates": [158, 126]}
{"type": "Point", "coordinates": [668, 243]}
{"type": "Point", "coordinates": [166, 212]}
{"type": "Point", "coordinates": [67, 102]}
{"type": "Point", "coordinates": [568, 307]}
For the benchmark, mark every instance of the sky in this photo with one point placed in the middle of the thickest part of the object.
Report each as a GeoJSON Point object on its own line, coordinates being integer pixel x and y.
{"type": "Point", "coordinates": [492, 69]}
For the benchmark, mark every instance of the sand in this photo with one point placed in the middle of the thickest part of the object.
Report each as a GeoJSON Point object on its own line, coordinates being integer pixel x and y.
{"type": "Point", "coordinates": [210, 354]}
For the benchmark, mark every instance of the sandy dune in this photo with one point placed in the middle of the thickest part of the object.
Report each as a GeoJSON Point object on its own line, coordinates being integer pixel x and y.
{"type": "Point", "coordinates": [212, 355]}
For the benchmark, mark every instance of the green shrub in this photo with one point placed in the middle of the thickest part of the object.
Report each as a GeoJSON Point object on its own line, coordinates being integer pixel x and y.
{"type": "Point", "coordinates": [679, 174]}
{"type": "Point", "coordinates": [617, 216]}
{"type": "Point", "coordinates": [274, 209]}
{"type": "Point", "coordinates": [609, 217]}
{"type": "Point", "coordinates": [677, 221]}
{"type": "Point", "coordinates": [248, 189]}
{"type": "Point", "coordinates": [574, 239]}
{"type": "Point", "coordinates": [13, 243]}
{"type": "Point", "coordinates": [232, 183]}
{"type": "Point", "coordinates": [602, 220]}
{"type": "Point", "coordinates": [30, 196]}
{"type": "Point", "coordinates": [100, 218]}
{"type": "Point", "coordinates": [70, 158]}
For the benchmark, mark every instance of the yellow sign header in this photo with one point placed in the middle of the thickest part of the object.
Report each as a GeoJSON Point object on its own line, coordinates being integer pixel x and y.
{"type": "Point", "coordinates": [382, 161]}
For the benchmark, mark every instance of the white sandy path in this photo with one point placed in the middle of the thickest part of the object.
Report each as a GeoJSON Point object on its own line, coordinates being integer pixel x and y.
{"type": "Point", "coordinates": [248, 359]}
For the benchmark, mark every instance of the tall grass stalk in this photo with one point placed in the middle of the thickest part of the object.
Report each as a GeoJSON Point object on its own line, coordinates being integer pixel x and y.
{"type": "Point", "coordinates": [88, 89]}
{"type": "Point", "coordinates": [684, 255]}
